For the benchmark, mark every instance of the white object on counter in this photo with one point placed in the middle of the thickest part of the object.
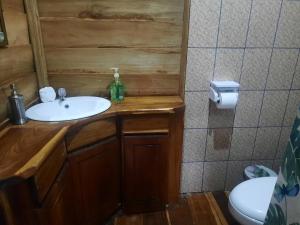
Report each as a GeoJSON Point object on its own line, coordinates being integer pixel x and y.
{"type": "Point", "coordinates": [47, 94]}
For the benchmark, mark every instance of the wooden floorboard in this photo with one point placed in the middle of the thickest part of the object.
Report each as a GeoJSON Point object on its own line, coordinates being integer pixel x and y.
{"type": "Point", "coordinates": [196, 209]}
{"type": "Point", "coordinates": [216, 209]}
{"type": "Point", "coordinates": [129, 220]}
{"type": "Point", "coordinates": [202, 213]}
{"type": "Point", "coordinates": [180, 213]}
{"type": "Point", "coordinates": [222, 200]}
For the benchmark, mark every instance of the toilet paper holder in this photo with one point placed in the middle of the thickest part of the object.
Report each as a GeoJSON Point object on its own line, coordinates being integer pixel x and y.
{"type": "Point", "coordinates": [218, 88]}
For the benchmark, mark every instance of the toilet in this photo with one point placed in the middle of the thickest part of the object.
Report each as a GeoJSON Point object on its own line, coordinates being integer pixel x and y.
{"type": "Point", "coordinates": [249, 201]}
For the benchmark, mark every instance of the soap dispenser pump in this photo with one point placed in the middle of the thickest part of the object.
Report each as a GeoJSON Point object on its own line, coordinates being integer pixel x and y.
{"type": "Point", "coordinates": [116, 87]}
{"type": "Point", "coordinates": [17, 106]}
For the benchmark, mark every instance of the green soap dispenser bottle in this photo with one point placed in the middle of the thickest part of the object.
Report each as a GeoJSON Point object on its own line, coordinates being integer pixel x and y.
{"type": "Point", "coordinates": [116, 88]}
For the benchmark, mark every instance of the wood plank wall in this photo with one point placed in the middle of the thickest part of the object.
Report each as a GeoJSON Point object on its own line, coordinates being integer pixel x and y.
{"type": "Point", "coordinates": [83, 39]}
{"type": "Point", "coordinates": [16, 60]}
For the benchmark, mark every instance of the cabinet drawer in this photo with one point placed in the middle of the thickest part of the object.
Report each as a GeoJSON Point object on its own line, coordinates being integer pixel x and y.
{"type": "Point", "coordinates": [90, 133]}
{"type": "Point", "coordinates": [49, 170]}
{"type": "Point", "coordinates": [146, 124]}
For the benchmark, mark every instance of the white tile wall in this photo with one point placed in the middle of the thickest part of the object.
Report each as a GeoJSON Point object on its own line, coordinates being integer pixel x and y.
{"type": "Point", "coordinates": [255, 42]}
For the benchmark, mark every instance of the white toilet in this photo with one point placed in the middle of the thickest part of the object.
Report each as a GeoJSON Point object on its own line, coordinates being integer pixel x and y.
{"type": "Point", "coordinates": [249, 201]}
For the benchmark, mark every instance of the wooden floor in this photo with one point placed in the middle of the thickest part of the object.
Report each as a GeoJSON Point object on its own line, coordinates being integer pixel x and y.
{"type": "Point", "coordinates": [196, 209]}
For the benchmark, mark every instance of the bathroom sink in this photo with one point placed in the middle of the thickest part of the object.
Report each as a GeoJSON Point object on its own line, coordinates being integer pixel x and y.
{"type": "Point", "coordinates": [71, 108]}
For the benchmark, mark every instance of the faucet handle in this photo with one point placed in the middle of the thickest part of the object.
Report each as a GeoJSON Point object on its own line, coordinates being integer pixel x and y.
{"type": "Point", "coordinates": [62, 93]}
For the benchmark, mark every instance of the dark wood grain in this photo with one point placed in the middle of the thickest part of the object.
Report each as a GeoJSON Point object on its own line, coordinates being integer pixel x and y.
{"type": "Point", "coordinates": [194, 209]}
{"type": "Point", "coordinates": [58, 207]}
{"type": "Point", "coordinates": [222, 201]}
{"type": "Point", "coordinates": [146, 124]}
{"type": "Point", "coordinates": [145, 172]}
{"type": "Point", "coordinates": [175, 155]}
{"type": "Point", "coordinates": [180, 213]}
{"type": "Point", "coordinates": [19, 145]}
{"type": "Point", "coordinates": [155, 218]}
{"type": "Point", "coordinates": [201, 211]}
{"type": "Point", "coordinates": [96, 173]}
{"type": "Point", "coordinates": [47, 173]}
{"type": "Point", "coordinates": [95, 185]}
{"type": "Point", "coordinates": [90, 133]}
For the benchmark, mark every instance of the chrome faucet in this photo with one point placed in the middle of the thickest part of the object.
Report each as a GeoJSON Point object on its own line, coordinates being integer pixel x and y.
{"type": "Point", "coordinates": [62, 93]}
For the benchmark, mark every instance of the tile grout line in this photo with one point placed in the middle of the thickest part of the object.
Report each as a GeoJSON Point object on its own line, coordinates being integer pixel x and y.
{"type": "Point", "coordinates": [240, 77]}
{"type": "Point", "coordinates": [285, 111]}
{"type": "Point", "coordinates": [213, 75]}
{"type": "Point", "coordinates": [227, 160]}
{"type": "Point", "coordinates": [217, 41]}
{"type": "Point", "coordinates": [246, 40]}
{"type": "Point", "coordinates": [245, 127]}
{"type": "Point", "coordinates": [241, 48]}
{"type": "Point", "coordinates": [247, 90]}
{"type": "Point", "coordinates": [232, 160]}
{"type": "Point", "coordinates": [204, 159]}
{"type": "Point", "coordinates": [291, 87]}
{"type": "Point", "coordinates": [269, 67]}
{"type": "Point", "coordinates": [187, 48]}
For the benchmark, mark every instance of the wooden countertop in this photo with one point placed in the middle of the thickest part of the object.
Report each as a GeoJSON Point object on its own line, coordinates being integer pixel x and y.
{"type": "Point", "coordinates": [24, 148]}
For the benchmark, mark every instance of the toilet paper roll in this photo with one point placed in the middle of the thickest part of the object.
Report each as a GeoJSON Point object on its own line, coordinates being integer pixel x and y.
{"type": "Point", "coordinates": [228, 100]}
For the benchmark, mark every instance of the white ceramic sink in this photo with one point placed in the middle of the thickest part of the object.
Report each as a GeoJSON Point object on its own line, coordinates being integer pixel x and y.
{"type": "Point", "coordinates": [70, 109]}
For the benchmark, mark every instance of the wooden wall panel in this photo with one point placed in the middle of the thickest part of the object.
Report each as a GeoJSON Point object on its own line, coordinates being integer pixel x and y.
{"type": "Point", "coordinates": [116, 9]}
{"type": "Point", "coordinates": [17, 27]}
{"type": "Point", "coordinates": [73, 32]}
{"type": "Point", "coordinates": [97, 84]}
{"type": "Point", "coordinates": [16, 5]}
{"type": "Point", "coordinates": [85, 38]}
{"type": "Point", "coordinates": [16, 60]}
{"type": "Point", "coordinates": [35, 33]}
{"type": "Point", "coordinates": [100, 60]}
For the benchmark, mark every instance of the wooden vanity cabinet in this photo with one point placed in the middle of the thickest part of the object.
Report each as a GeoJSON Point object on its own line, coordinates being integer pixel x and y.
{"type": "Point", "coordinates": [96, 175]}
{"type": "Point", "coordinates": [93, 167]}
{"type": "Point", "coordinates": [145, 141]}
{"type": "Point", "coordinates": [145, 172]}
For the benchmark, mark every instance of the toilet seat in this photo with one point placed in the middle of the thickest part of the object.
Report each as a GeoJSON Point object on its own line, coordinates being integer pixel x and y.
{"type": "Point", "coordinates": [250, 200]}
{"type": "Point", "coordinates": [243, 219]}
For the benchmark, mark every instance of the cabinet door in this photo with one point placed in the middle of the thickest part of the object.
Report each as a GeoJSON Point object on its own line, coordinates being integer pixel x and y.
{"type": "Point", "coordinates": [96, 173]}
{"type": "Point", "coordinates": [145, 175]}
{"type": "Point", "coordinates": [58, 207]}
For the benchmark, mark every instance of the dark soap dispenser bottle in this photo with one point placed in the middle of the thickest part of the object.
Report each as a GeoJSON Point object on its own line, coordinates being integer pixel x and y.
{"type": "Point", "coordinates": [17, 106]}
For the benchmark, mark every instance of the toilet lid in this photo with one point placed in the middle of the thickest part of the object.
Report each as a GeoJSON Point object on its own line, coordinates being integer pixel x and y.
{"type": "Point", "coordinates": [252, 197]}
